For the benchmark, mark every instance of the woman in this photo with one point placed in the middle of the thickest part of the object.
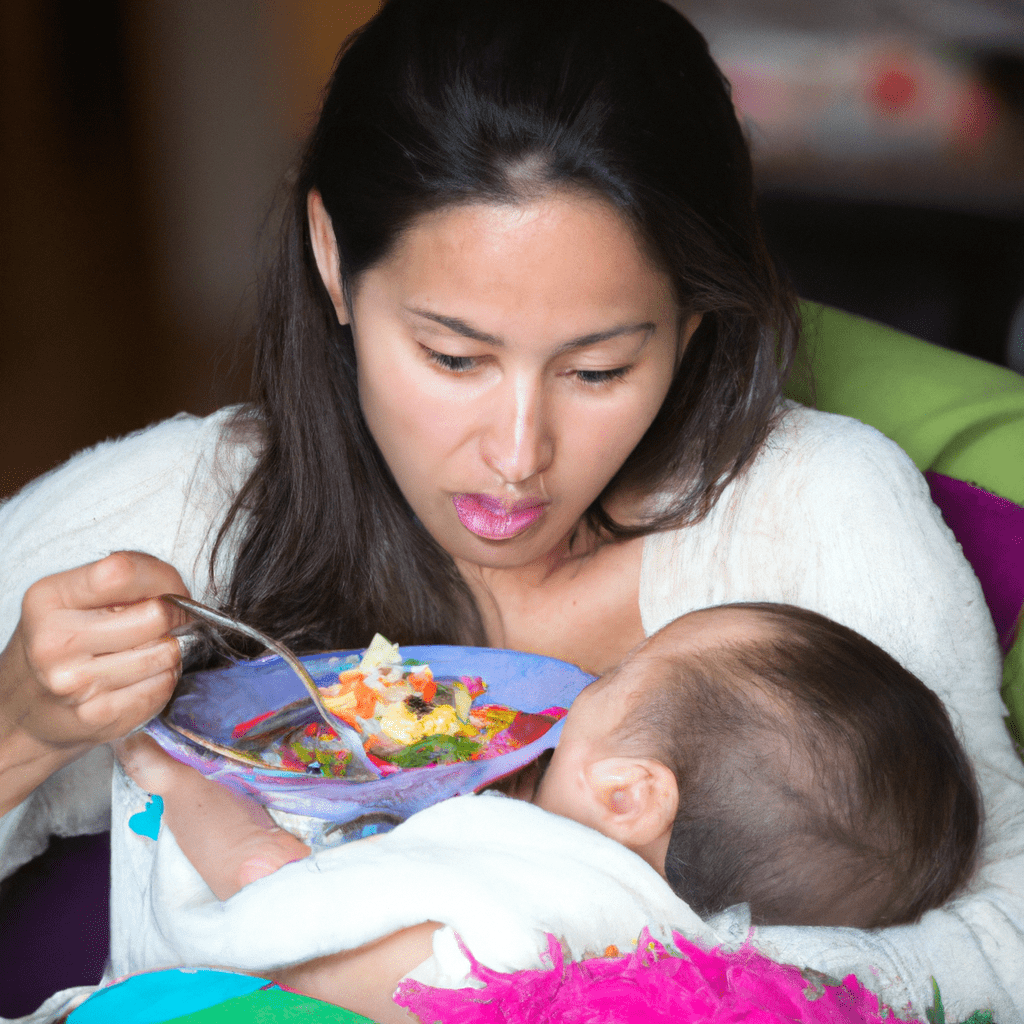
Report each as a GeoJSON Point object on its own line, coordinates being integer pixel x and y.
{"type": "Point", "coordinates": [518, 381]}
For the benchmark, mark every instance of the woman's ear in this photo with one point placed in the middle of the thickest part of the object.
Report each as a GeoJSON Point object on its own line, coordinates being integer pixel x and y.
{"type": "Point", "coordinates": [637, 799]}
{"type": "Point", "coordinates": [325, 249]}
{"type": "Point", "coordinates": [687, 329]}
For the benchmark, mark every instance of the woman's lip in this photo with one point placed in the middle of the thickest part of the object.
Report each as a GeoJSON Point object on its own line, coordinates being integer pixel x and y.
{"type": "Point", "coordinates": [493, 519]}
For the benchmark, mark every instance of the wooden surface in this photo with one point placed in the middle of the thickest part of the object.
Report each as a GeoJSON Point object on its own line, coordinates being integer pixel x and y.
{"type": "Point", "coordinates": [139, 147]}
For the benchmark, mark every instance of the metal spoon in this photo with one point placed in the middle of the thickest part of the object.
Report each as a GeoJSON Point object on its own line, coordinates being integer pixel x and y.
{"type": "Point", "coordinates": [216, 618]}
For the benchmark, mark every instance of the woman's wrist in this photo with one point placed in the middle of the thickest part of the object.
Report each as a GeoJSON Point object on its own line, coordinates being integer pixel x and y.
{"type": "Point", "coordinates": [27, 762]}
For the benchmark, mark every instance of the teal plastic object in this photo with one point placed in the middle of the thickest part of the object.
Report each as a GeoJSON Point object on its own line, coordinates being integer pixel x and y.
{"type": "Point", "coordinates": [184, 996]}
{"type": "Point", "coordinates": [160, 996]}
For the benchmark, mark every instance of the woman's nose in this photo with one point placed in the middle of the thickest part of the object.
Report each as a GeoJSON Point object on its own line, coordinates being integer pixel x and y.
{"type": "Point", "coordinates": [518, 442]}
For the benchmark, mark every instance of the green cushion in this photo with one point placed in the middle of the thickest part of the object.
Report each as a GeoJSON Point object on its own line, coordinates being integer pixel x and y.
{"type": "Point", "coordinates": [951, 413]}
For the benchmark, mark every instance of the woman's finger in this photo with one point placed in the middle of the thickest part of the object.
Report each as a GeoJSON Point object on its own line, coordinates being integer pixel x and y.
{"type": "Point", "coordinates": [84, 677]}
{"type": "Point", "coordinates": [66, 634]}
{"type": "Point", "coordinates": [102, 608]}
{"type": "Point", "coordinates": [121, 578]}
{"type": "Point", "coordinates": [112, 714]}
{"type": "Point", "coordinates": [128, 576]}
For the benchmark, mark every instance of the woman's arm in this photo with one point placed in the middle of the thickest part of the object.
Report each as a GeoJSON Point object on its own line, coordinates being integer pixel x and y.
{"type": "Point", "coordinates": [89, 660]}
{"type": "Point", "coordinates": [365, 979]}
{"type": "Point", "coordinates": [163, 490]}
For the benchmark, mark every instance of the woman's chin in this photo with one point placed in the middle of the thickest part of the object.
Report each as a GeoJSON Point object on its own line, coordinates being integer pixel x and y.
{"type": "Point", "coordinates": [533, 546]}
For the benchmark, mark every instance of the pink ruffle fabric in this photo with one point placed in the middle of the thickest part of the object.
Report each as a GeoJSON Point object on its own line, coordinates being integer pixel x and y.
{"type": "Point", "coordinates": [649, 986]}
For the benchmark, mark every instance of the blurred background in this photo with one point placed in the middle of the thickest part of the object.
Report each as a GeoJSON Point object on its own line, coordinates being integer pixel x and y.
{"type": "Point", "coordinates": [143, 142]}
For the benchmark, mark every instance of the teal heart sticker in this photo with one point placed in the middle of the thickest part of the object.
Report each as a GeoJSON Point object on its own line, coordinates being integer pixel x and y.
{"type": "Point", "coordinates": [147, 821]}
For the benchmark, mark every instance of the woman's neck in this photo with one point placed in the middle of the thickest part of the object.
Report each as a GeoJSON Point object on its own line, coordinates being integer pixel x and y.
{"type": "Point", "coordinates": [580, 604]}
{"type": "Point", "coordinates": [524, 583]}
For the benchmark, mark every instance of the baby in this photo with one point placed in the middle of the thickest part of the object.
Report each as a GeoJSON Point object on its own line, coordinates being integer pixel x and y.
{"type": "Point", "coordinates": [755, 753]}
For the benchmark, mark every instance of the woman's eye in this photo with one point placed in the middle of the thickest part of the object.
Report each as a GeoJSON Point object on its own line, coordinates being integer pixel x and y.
{"type": "Point", "coordinates": [456, 364]}
{"type": "Point", "coordinates": [596, 377]}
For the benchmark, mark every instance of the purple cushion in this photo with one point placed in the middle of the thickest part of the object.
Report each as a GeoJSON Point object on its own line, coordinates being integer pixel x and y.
{"type": "Point", "coordinates": [990, 530]}
{"type": "Point", "coordinates": [54, 922]}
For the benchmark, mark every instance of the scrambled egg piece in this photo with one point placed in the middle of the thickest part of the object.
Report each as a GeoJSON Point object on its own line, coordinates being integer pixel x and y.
{"type": "Point", "coordinates": [401, 723]}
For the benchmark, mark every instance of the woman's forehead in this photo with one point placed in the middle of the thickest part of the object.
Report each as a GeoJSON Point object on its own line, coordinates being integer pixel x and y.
{"type": "Point", "coordinates": [560, 251]}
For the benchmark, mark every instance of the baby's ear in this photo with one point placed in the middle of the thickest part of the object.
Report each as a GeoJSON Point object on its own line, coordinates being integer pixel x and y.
{"type": "Point", "coordinates": [637, 799]}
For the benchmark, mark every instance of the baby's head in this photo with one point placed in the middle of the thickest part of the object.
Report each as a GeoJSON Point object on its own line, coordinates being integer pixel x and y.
{"type": "Point", "coordinates": [764, 754]}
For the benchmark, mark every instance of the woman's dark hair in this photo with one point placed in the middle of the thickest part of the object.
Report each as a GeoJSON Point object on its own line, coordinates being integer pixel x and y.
{"type": "Point", "coordinates": [819, 780]}
{"type": "Point", "coordinates": [440, 102]}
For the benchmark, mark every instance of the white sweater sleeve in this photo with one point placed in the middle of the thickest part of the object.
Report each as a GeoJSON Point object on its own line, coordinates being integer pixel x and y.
{"type": "Point", "coordinates": [163, 490]}
{"type": "Point", "coordinates": [835, 518]}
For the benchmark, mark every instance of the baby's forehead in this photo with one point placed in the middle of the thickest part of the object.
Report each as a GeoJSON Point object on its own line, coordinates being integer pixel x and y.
{"type": "Point", "coordinates": [702, 644]}
{"type": "Point", "coordinates": [700, 633]}
{"type": "Point", "coordinates": [692, 639]}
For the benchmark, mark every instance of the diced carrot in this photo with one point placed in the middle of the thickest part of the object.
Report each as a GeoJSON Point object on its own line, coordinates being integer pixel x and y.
{"type": "Point", "coordinates": [423, 682]}
{"type": "Point", "coordinates": [344, 707]}
{"type": "Point", "coordinates": [366, 699]}
{"type": "Point", "coordinates": [354, 699]}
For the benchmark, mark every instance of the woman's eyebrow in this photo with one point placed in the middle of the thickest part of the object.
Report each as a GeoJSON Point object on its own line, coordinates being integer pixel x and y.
{"type": "Point", "coordinates": [459, 326]}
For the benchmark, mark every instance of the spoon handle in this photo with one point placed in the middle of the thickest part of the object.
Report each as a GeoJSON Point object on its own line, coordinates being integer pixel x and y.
{"type": "Point", "coordinates": [216, 618]}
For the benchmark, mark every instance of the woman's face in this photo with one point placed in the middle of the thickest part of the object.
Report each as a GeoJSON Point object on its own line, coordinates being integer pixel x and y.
{"type": "Point", "coordinates": [510, 358]}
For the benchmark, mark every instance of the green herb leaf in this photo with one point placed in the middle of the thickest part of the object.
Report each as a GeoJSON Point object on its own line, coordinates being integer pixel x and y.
{"type": "Point", "coordinates": [435, 750]}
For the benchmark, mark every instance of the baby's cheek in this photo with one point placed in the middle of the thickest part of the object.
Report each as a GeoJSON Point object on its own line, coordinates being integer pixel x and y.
{"type": "Point", "coordinates": [550, 794]}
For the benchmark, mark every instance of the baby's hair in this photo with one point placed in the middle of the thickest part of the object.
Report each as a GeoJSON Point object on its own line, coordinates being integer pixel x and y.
{"type": "Point", "coordinates": [819, 780]}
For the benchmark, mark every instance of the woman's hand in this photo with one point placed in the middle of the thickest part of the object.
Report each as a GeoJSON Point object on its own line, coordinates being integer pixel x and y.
{"type": "Point", "coordinates": [89, 661]}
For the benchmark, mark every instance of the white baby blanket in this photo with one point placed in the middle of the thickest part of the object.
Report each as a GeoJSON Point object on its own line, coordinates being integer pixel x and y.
{"type": "Point", "coordinates": [499, 872]}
